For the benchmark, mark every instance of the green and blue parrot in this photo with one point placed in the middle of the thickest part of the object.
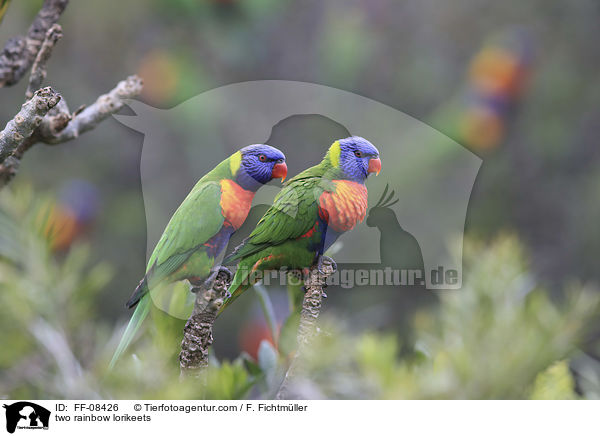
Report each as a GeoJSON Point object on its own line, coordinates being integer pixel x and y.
{"type": "Point", "coordinates": [312, 210]}
{"type": "Point", "coordinates": [200, 228]}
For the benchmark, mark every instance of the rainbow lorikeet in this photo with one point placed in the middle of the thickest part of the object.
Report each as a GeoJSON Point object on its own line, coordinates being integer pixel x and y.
{"type": "Point", "coordinates": [312, 210]}
{"type": "Point", "coordinates": [200, 228]}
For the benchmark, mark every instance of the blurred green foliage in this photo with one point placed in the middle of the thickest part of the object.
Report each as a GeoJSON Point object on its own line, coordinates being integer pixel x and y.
{"type": "Point", "coordinates": [47, 303]}
{"type": "Point", "coordinates": [490, 339]}
{"type": "Point", "coordinates": [500, 336]}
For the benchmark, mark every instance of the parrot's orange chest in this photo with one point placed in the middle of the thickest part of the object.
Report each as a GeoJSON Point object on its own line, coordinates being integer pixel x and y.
{"type": "Point", "coordinates": [235, 203]}
{"type": "Point", "coordinates": [344, 207]}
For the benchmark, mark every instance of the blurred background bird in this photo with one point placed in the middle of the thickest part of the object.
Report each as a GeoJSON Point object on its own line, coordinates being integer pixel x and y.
{"type": "Point", "coordinates": [74, 215]}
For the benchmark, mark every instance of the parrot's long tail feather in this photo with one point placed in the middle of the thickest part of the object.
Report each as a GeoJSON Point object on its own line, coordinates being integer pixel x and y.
{"type": "Point", "coordinates": [138, 294]}
{"type": "Point", "coordinates": [141, 312]}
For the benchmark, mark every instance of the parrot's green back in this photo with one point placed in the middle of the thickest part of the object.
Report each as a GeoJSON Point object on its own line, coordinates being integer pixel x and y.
{"type": "Point", "coordinates": [195, 221]}
{"type": "Point", "coordinates": [276, 240]}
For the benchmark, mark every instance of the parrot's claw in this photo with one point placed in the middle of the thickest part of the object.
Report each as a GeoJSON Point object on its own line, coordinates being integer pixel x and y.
{"type": "Point", "coordinates": [215, 274]}
{"type": "Point", "coordinates": [325, 261]}
{"type": "Point", "coordinates": [224, 278]}
{"type": "Point", "coordinates": [227, 272]}
{"type": "Point", "coordinates": [210, 280]}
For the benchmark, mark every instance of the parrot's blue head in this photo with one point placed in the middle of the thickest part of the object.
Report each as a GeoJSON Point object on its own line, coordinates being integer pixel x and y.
{"type": "Point", "coordinates": [260, 163]}
{"type": "Point", "coordinates": [355, 157]}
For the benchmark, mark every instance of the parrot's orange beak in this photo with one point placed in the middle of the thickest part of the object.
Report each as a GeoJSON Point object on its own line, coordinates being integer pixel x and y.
{"type": "Point", "coordinates": [374, 166]}
{"type": "Point", "coordinates": [279, 171]}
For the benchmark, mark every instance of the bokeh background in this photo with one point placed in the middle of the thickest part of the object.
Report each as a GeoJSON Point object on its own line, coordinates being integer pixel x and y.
{"type": "Point", "coordinates": [515, 82]}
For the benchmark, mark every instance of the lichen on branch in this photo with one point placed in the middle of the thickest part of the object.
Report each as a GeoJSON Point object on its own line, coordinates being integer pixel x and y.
{"type": "Point", "coordinates": [27, 120]}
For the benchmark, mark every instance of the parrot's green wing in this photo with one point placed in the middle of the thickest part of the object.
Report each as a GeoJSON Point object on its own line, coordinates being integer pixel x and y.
{"type": "Point", "coordinates": [292, 215]}
{"type": "Point", "coordinates": [196, 220]}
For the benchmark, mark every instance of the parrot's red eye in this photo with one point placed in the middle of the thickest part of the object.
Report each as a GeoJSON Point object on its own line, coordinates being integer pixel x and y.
{"type": "Point", "coordinates": [262, 158]}
{"type": "Point", "coordinates": [358, 153]}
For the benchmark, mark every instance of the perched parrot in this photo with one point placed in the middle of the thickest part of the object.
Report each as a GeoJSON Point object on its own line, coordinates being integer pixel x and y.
{"type": "Point", "coordinates": [200, 228]}
{"type": "Point", "coordinates": [312, 210]}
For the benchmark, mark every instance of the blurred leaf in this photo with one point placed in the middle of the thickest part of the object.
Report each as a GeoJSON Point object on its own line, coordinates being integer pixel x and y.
{"type": "Point", "coordinates": [267, 357]}
{"type": "Point", "coordinates": [555, 383]}
{"type": "Point", "coordinates": [228, 382]}
{"type": "Point", "coordinates": [251, 365]}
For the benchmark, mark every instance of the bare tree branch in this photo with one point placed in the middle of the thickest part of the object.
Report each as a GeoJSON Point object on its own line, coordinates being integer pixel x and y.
{"type": "Point", "coordinates": [27, 120]}
{"type": "Point", "coordinates": [197, 333]}
{"type": "Point", "coordinates": [58, 125]}
{"type": "Point", "coordinates": [20, 52]}
{"type": "Point", "coordinates": [38, 71]}
{"type": "Point", "coordinates": [87, 118]}
{"type": "Point", "coordinates": [307, 328]}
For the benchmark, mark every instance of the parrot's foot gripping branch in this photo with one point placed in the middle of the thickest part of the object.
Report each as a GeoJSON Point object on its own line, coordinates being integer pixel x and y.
{"type": "Point", "coordinates": [326, 266]}
{"type": "Point", "coordinates": [325, 263]}
{"type": "Point", "coordinates": [197, 333]}
{"type": "Point", "coordinates": [227, 276]}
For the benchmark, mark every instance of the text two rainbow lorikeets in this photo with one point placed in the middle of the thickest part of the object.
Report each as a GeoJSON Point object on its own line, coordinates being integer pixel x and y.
{"type": "Point", "coordinates": [312, 210]}
{"type": "Point", "coordinates": [200, 228]}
